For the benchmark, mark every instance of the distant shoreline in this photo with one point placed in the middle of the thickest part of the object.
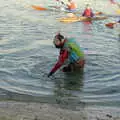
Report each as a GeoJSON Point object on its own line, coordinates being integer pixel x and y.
{"type": "Point", "coordinates": [12, 110]}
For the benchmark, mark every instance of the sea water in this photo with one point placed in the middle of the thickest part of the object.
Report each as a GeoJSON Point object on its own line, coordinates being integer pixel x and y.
{"type": "Point", "coordinates": [25, 59]}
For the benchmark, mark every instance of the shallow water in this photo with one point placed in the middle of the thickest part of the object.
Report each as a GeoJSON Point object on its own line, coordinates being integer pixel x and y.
{"type": "Point", "coordinates": [25, 59]}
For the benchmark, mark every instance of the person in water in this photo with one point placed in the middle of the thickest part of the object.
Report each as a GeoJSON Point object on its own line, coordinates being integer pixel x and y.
{"type": "Point", "coordinates": [88, 12]}
{"type": "Point", "coordinates": [69, 51]}
{"type": "Point", "coordinates": [71, 5]}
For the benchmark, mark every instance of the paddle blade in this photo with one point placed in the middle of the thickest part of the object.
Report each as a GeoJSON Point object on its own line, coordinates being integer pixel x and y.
{"type": "Point", "coordinates": [110, 25]}
{"type": "Point", "coordinates": [98, 13]}
{"type": "Point", "coordinates": [38, 7]}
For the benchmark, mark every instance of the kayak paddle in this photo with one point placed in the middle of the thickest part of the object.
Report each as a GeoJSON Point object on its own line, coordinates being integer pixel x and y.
{"type": "Point", "coordinates": [110, 25]}
{"type": "Point", "coordinates": [98, 13]}
{"type": "Point", "coordinates": [38, 7]}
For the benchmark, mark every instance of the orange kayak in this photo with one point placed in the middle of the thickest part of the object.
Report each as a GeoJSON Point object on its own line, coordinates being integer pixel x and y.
{"type": "Point", "coordinates": [38, 7]}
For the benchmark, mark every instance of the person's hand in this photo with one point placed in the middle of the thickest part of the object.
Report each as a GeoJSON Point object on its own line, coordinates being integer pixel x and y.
{"type": "Point", "coordinates": [50, 74]}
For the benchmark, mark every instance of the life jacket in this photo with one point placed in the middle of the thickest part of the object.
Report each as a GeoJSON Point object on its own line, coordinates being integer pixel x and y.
{"type": "Point", "coordinates": [74, 50]}
{"type": "Point", "coordinates": [88, 12]}
{"type": "Point", "coordinates": [72, 6]}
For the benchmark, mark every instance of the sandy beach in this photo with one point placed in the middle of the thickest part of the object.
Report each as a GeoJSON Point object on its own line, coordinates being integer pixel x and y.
{"type": "Point", "coordinates": [11, 110]}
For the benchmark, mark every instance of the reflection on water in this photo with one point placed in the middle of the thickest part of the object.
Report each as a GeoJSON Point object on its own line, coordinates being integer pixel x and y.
{"type": "Point", "coordinates": [74, 81]}
{"type": "Point", "coordinates": [66, 89]}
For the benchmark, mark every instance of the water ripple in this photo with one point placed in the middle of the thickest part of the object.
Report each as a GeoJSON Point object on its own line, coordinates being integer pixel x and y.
{"type": "Point", "coordinates": [27, 56]}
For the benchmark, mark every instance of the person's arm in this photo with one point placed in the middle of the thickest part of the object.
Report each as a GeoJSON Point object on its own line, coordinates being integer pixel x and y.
{"type": "Point", "coordinates": [92, 14]}
{"type": "Point", "coordinates": [63, 56]}
{"type": "Point", "coordinates": [83, 14]}
{"type": "Point", "coordinates": [91, 11]}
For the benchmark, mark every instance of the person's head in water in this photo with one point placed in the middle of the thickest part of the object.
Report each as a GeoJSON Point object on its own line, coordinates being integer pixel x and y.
{"type": "Point", "coordinates": [58, 40]}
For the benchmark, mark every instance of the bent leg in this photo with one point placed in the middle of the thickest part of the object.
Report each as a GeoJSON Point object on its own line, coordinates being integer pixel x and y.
{"type": "Point", "coordinates": [68, 68]}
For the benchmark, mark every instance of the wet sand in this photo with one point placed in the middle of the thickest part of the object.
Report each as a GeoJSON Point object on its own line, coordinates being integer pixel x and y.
{"type": "Point", "coordinates": [11, 110]}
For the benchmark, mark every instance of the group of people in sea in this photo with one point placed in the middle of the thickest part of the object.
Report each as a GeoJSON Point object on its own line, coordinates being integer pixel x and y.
{"type": "Point", "coordinates": [70, 51]}
{"type": "Point", "coordinates": [71, 6]}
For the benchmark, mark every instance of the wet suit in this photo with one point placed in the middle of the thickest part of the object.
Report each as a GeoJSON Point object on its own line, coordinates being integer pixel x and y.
{"type": "Point", "coordinates": [71, 52]}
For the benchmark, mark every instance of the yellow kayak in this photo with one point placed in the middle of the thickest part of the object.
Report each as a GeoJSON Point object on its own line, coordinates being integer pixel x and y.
{"type": "Point", "coordinates": [80, 19]}
{"type": "Point", "coordinates": [118, 11]}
